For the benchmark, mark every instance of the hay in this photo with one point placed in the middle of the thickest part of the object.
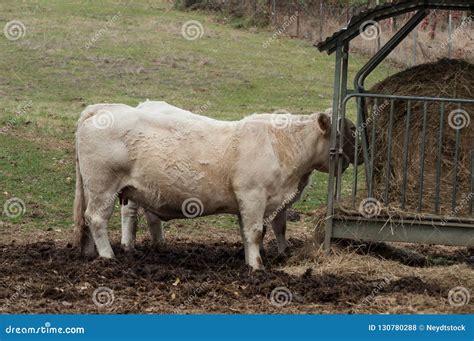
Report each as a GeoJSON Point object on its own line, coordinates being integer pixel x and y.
{"type": "Point", "coordinates": [445, 78]}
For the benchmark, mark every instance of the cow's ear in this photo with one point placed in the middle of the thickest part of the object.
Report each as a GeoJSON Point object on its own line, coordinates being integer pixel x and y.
{"type": "Point", "coordinates": [324, 123]}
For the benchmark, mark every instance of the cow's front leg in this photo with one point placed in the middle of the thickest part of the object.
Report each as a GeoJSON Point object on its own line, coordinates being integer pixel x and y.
{"type": "Point", "coordinates": [262, 249]}
{"type": "Point", "coordinates": [252, 208]}
{"type": "Point", "coordinates": [129, 225]}
{"type": "Point", "coordinates": [156, 230]}
{"type": "Point", "coordinates": [264, 232]}
{"type": "Point", "coordinates": [279, 228]}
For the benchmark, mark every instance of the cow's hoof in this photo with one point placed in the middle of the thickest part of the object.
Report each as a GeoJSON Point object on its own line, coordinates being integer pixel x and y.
{"type": "Point", "coordinates": [257, 264]}
{"type": "Point", "coordinates": [253, 270]}
{"type": "Point", "coordinates": [128, 248]}
{"type": "Point", "coordinates": [285, 252]}
{"type": "Point", "coordinates": [158, 245]}
{"type": "Point", "coordinates": [107, 254]}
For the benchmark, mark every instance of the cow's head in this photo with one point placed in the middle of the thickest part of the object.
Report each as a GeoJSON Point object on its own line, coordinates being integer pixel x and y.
{"type": "Point", "coordinates": [348, 131]}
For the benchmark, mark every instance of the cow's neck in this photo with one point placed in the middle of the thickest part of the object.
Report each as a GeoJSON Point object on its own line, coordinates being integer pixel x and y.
{"type": "Point", "coordinates": [295, 148]}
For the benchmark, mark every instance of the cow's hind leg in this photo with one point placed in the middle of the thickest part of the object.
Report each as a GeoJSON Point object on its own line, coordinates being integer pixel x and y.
{"type": "Point", "coordinates": [252, 208]}
{"type": "Point", "coordinates": [129, 225]}
{"type": "Point", "coordinates": [87, 244]}
{"type": "Point", "coordinates": [98, 212]}
{"type": "Point", "coordinates": [156, 230]}
{"type": "Point", "coordinates": [244, 241]}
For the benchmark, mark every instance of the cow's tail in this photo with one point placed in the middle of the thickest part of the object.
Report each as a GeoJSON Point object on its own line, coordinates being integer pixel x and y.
{"type": "Point", "coordinates": [80, 202]}
{"type": "Point", "coordinates": [80, 209]}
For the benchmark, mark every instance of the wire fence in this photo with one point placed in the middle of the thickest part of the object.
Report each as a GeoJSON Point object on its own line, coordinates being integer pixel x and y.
{"type": "Point", "coordinates": [442, 34]}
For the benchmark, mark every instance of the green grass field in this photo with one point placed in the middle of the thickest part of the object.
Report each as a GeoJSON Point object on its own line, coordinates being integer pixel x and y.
{"type": "Point", "coordinates": [75, 53]}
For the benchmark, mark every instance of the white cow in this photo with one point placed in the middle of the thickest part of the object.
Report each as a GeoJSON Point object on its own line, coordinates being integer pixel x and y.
{"type": "Point", "coordinates": [129, 209]}
{"type": "Point", "coordinates": [181, 168]}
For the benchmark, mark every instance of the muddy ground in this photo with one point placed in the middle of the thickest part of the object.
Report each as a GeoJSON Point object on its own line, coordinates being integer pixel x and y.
{"type": "Point", "coordinates": [203, 271]}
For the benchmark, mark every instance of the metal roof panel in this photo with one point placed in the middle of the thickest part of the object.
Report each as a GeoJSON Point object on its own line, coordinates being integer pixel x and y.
{"type": "Point", "coordinates": [386, 11]}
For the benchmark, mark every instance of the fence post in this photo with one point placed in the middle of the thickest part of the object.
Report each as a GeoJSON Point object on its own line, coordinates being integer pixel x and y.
{"type": "Point", "coordinates": [415, 40]}
{"type": "Point", "coordinates": [450, 34]}
{"type": "Point", "coordinates": [273, 12]}
{"type": "Point", "coordinates": [321, 10]}
{"type": "Point", "coordinates": [297, 23]}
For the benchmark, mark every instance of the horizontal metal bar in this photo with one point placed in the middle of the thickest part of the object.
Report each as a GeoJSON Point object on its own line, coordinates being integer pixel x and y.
{"type": "Point", "coordinates": [415, 218]}
{"type": "Point", "coordinates": [407, 231]}
{"type": "Point", "coordinates": [412, 98]}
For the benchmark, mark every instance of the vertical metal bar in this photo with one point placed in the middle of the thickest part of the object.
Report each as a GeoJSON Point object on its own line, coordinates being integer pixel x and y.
{"type": "Point", "coordinates": [389, 153]}
{"type": "Point", "coordinates": [343, 92]}
{"type": "Point", "coordinates": [379, 33]}
{"type": "Point", "coordinates": [340, 123]}
{"type": "Point", "coordinates": [364, 139]}
{"type": "Point", "coordinates": [415, 42]}
{"type": "Point", "coordinates": [456, 161]}
{"type": "Point", "coordinates": [405, 155]}
{"type": "Point", "coordinates": [438, 158]}
{"type": "Point", "coordinates": [356, 160]}
{"type": "Point", "coordinates": [372, 145]}
{"type": "Point", "coordinates": [332, 160]}
{"type": "Point", "coordinates": [471, 200]}
{"type": "Point", "coordinates": [422, 156]}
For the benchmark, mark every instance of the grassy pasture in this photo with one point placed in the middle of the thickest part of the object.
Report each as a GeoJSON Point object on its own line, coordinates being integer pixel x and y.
{"type": "Point", "coordinates": [77, 53]}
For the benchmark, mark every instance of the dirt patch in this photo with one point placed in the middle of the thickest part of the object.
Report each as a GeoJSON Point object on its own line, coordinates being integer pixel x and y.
{"type": "Point", "coordinates": [193, 277]}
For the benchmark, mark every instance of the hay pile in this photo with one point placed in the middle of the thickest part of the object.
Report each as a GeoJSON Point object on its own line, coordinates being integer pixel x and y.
{"type": "Point", "coordinates": [445, 78]}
